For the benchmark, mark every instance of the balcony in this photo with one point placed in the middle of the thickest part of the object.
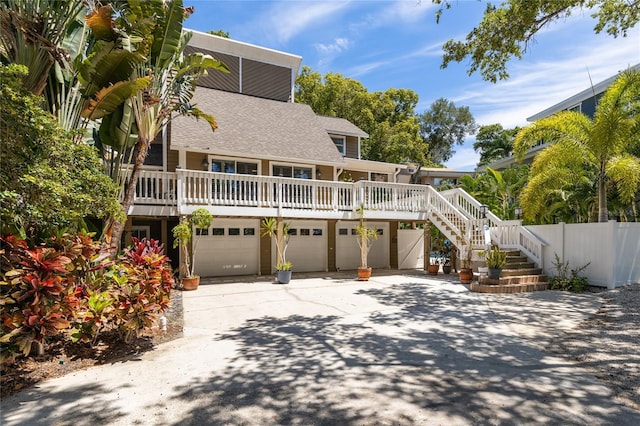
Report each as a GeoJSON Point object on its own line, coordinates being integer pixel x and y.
{"type": "Point", "coordinates": [160, 193]}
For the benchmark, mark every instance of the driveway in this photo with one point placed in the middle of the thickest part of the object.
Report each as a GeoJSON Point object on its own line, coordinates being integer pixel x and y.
{"type": "Point", "coordinates": [399, 349]}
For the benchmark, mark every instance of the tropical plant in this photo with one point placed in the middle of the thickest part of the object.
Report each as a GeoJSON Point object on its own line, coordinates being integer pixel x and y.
{"type": "Point", "coordinates": [495, 258]}
{"type": "Point", "coordinates": [278, 230]}
{"type": "Point", "coordinates": [568, 279]}
{"type": "Point", "coordinates": [366, 236]}
{"type": "Point", "coordinates": [48, 181]}
{"type": "Point", "coordinates": [579, 145]}
{"type": "Point", "coordinates": [183, 233]}
{"type": "Point", "coordinates": [161, 41]}
{"type": "Point", "coordinates": [494, 143]}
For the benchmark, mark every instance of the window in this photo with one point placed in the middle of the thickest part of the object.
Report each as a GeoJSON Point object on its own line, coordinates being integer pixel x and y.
{"type": "Point", "coordinates": [293, 231]}
{"type": "Point", "coordinates": [233, 166]}
{"type": "Point", "coordinates": [217, 231]}
{"type": "Point", "coordinates": [140, 232]}
{"type": "Point", "coordinates": [317, 232]}
{"type": "Point", "coordinates": [339, 142]}
{"type": "Point", "coordinates": [234, 231]}
{"type": "Point", "coordinates": [292, 171]}
{"type": "Point", "coordinates": [379, 177]}
{"type": "Point", "coordinates": [201, 231]}
{"type": "Point", "coordinates": [343, 231]}
{"type": "Point", "coordinates": [304, 232]}
{"type": "Point", "coordinates": [249, 231]}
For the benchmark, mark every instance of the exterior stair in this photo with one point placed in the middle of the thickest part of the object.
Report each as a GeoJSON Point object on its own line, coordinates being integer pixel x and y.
{"type": "Point", "coordinates": [519, 275]}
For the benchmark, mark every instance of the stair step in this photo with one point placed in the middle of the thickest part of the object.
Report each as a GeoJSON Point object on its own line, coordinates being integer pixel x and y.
{"type": "Point", "coordinates": [519, 279]}
{"type": "Point", "coordinates": [509, 288]}
{"type": "Point", "coordinates": [519, 265]}
{"type": "Point", "coordinates": [520, 272]}
{"type": "Point", "coordinates": [519, 258]}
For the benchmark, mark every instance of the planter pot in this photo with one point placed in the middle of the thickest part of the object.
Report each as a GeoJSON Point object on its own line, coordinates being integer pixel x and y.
{"type": "Point", "coordinates": [283, 277]}
{"type": "Point", "coordinates": [364, 273]}
{"type": "Point", "coordinates": [483, 270]}
{"type": "Point", "coordinates": [446, 269]}
{"type": "Point", "coordinates": [190, 283]}
{"type": "Point", "coordinates": [433, 269]}
{"type": "Point", "coordinates": [494, 273]}
{"type": "Point", "coordinates": [466, 275]}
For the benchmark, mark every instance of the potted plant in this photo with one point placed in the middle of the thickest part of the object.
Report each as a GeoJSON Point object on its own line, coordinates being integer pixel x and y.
{"type": "Point", "coordinates": [183, 234]}
{"type": "Point", "coordinates": [434, 264]}
{"type": "Point", "coordinates": [495, 260]}
{"type": "Point", "coordinates": [366, 235]}
{"type": "Point", "coordinates": [466, 273]}
{"type": "Point", "coordinates": [269, 227]}
{"type": "Point", "coordinates": [446, 257]}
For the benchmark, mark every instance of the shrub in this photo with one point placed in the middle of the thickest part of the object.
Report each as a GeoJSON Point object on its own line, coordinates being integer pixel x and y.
{"type": "Point", "coordinates": [70, 286]}
{"type": "Point", "coordinates": [568, 279]}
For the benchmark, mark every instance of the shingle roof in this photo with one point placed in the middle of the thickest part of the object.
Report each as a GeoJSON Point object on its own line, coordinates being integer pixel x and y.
{"type": "Point", "coordinates": [341, 126]}
{"type": "Point", "coordinates": [254, 127]}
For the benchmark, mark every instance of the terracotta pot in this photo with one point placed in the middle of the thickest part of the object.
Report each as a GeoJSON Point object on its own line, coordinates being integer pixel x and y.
{"type": "Point", "coordinates": [466, 275]}
{"type": "Point", "coordinates": [190, 283]}
{"type": "Point", "coordinates": [433, 269]}
{"type": "Point", "coordinates": [364, 273]}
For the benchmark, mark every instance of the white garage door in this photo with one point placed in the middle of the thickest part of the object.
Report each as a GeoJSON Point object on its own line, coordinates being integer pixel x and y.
{"type": "Point", "coordinates": [230, 247]}
{"type": "Point", "coordinates": [307, 249]}
{"type": "Point", "coordinates": [348, 252]}
{"type": "Point", "coordinates": [410, 248]}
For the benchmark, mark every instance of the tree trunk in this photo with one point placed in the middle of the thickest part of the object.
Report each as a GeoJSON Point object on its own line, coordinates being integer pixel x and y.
{"type": "Point", "coordinates": [603, 214]}
{"type": "Point", "coordinates": [142, 148]}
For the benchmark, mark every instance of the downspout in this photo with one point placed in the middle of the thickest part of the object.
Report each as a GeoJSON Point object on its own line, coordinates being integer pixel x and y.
{"type": "Point", "coordinates": [359, 151]}
{"type": "Point", "coordinates": [395, 175]}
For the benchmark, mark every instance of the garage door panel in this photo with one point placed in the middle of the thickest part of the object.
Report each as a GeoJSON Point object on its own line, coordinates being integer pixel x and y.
{"type": "Point", "coordinates": [230, 248]}
{"type": "Point", "coordinates": [348, 251]}
{"type": "Point", "coordinates": [307, 249]}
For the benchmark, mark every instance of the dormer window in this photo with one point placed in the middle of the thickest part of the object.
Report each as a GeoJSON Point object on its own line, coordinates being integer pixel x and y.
{"type": "Point", "coordinates": [340, 143]}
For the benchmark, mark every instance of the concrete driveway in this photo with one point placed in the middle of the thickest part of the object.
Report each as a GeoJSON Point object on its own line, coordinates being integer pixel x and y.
{"type": "Point", "coordinates": [399, 349]}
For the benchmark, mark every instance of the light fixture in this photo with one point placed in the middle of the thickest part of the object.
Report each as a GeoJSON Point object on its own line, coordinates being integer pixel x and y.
{"type": "Point", "coordinates": [318, 174]}
{"type": "Point", "coordinates": [205, 163]}
{"type": "Point", "coordinates": [483, 210]}
{"type": "Point", "coordinates": [518, 212]}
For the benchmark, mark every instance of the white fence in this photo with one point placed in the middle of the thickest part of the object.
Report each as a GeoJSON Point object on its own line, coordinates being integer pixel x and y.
{"type": "Point", "coordinates": [612, 249]}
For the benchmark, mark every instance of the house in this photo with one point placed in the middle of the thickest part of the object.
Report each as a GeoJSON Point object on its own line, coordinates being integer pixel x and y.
{"type": "Point", "coordinates": [584, 102]}
{"type": "Point", "coordinates": [272, 157]}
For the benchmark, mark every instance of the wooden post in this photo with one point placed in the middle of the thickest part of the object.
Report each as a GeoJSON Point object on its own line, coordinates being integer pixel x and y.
{"type": "Point", "coordinates": [427, 244]}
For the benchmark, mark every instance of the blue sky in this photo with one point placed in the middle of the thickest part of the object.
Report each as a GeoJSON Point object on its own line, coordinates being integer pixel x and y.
{"type": "Point", "coordinates": [397, 44]}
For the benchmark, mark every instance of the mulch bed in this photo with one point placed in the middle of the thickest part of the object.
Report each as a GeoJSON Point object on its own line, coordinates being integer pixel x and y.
{"type": "Point", "coordinates": [63, 357]}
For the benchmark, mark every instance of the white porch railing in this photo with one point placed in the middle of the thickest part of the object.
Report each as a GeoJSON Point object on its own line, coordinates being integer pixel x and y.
{"type": "Point", "coordinates": [459, 213]}
{"type": "Point", "coordinates": [508, 234]}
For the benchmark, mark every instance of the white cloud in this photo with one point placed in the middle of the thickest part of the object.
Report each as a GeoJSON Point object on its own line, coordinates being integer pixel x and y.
{"type": "Point", "coordinates": [339, 45]}
{"type": "Point", "coordinates": [288, 19]}
{"type": "Point", "coordinates": [465, 158]}
{"type": "Point", "coordinates": [537, 85]}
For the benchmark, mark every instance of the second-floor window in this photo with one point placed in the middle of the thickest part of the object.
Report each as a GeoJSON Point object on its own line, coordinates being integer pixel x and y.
{"type": "Point", "coordinates": [340, 143]}
{"type": "Point", "coordinates": [292, 171]}
{"type": "Point", "coordinates": [232, 166]}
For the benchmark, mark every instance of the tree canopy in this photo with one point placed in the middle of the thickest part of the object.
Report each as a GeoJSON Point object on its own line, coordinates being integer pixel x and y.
{"type": "Point", "coordinates": [397, 134]}
{"type": "Point", "coordinates": [48, 181]}
{"type": "Point", "coordinates": [508, 31]}
{"type": "Point", "coordinates": [443, 126]}
{"type": "Point", "coordinates": [494, 142]}
{"type": "Point", "coordinates": [584, 152]}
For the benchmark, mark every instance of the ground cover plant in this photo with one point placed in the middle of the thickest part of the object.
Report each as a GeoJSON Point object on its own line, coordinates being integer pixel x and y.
{"type": "Point", "coordinates": [69, 289]}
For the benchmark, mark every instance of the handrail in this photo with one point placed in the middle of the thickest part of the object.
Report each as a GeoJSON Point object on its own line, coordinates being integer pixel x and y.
{"type": "Point", "coordinates": [458, 212]}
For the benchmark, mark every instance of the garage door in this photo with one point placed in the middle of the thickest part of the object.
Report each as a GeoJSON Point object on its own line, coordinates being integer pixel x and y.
{"type": "Point", "coordinates": [348, 252]}
{"type": "Point", "coordinates": [307, 249]}
{"type": "Point", "coordinates": [230, 247]}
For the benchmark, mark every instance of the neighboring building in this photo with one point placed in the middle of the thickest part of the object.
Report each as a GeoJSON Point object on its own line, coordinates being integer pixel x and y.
{"type": "Point", "coordinates": [271, 157]}
{"type": "Point", "coordinates": [584, 102]}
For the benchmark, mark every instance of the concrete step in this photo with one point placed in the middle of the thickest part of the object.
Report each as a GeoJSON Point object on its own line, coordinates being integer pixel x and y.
{"type": "Point", "coordinates": [519, 279]}
{"type": "Point", "coordinates": [520, 272]}
{"type": "Point", "coordinates": [508, 288]}
{"type": "Point", "coordinates": [518, 258]}
{"type": "Point", "coordinates": [519, 265]}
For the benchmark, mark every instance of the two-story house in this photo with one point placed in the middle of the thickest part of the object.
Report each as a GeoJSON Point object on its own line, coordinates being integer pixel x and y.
{"type": "Point", "coordinates": [272, 157]}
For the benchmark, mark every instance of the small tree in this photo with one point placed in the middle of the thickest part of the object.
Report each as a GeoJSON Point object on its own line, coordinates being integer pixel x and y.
{"type": "Point", "coordinates": [269, 228]}
{"type": "Point", "coordinates": [183, 234]}
{"type": "Point", "coordinates": [366, 236]}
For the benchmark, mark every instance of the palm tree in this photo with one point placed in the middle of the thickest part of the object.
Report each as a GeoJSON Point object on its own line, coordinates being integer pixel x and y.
{"type": "Point", "coordinates": [578, 144]}
{"type": "Point", "coordinates": [172, 84]}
